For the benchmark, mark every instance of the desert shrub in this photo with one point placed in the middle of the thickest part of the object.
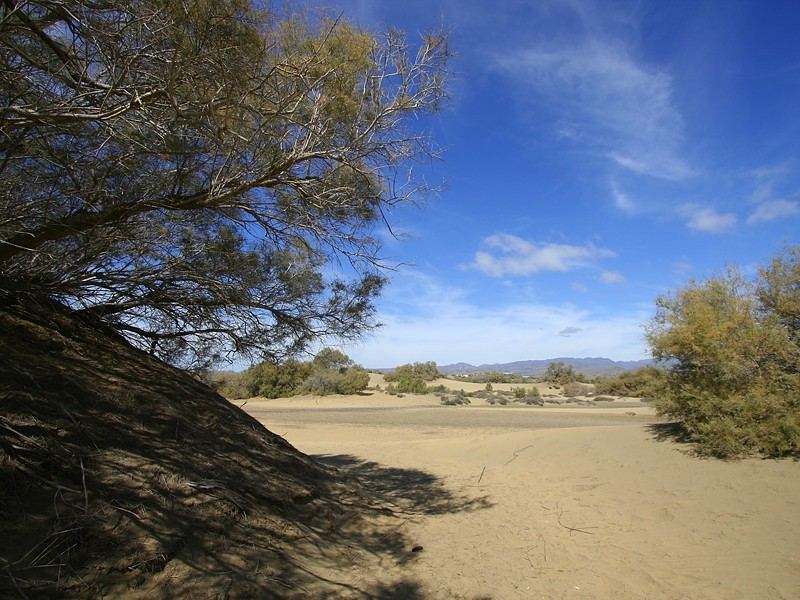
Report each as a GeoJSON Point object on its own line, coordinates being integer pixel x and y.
{"type": "Point", "coordinates": [355, 379]}
{"type": "Point", "coordinates": [273, 380]}
{"type": "Point", "coordinates": [502, 400]}
{"type": "Point", "coordinates": [604, 399]}
{"type": "Point", "coordinates": [519, 392]}
{"type": "Point", "coordinates": [488, 387]}
{"type": "Point", "coordinates": [411, 385]}
{"type": "Point", "coordinates": [322, 381]}
{"type": "Point", "coordinates": [578, 389]}
{"type": "Point", "coordinates": [426, 371]}
{"type": "Point", "coordinates": [436, 389]}
{"type": "Point", "coordinates": [412, 378]}
{"type": "Point", "coordinates": [494, 377]}
{"type": "Point", "coordinates": [559, 372]}
{"type": "Point", "coordinates": [736, 372]}
{"type": "Point", "coordinates": [531, 400]}
{"type": "Point", "coordinates": [458, 398]}
{"type": "Point", "coordinates": [331, 372]}
{"type": "Point", "coordinates": [647, 382]}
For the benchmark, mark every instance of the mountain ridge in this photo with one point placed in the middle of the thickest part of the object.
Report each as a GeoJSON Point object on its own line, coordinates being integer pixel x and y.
{"type": "Point", "coordinates": [590, 366]}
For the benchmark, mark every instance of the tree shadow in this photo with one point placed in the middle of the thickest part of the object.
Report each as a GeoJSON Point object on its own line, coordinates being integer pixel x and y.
{"type": "Point", "coordinates": [405, 492]}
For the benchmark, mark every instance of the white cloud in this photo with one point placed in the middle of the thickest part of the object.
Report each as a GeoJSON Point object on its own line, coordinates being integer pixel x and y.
{"type": "Point", "coordinates": [436, 322]}
{"type": "Point", "coordinates": [774, 209]}
{"type": "Point", "coordinates": [612, 277]}
{"type": "Point", "coordinates": [516, 256]}
{"type": "Point", "coordinates": [611, 100]}
{"type": "Point", "coordinates": [621, 200]}
{"type": "Point", "coordinates": [707, 220]}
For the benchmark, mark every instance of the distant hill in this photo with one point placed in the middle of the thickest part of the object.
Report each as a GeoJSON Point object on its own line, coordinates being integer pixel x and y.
{"type": "Point", "coordinates": [592, 367]}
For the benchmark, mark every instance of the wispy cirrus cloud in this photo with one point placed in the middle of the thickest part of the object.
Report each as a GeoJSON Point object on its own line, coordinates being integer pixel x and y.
{"type": "Point", "coordinates": [508, 254]}
{"type": "Point", "coordinates": [608, 99]}
{"type": "Point", "coordinates": [707, 220]}
{"type": "Point", "coordinates": [774, 209]}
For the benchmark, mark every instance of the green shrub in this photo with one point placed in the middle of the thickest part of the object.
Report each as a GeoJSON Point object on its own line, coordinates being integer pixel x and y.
{"type": "Point", "coordinates": [273, 380]}
{"type": "Point", "coordinates": [426, 371]}
{"type": "Point", "coordinates": [355, 379]}
{"type": "Point", "coordinates": [559, 372]}
{"type": "Point", "coordinates": [757, 421]}
{"type": "Point", "coordinates": [456, 399]}
{"type": "Point", "coordinates": [336, 381]}
{"type": "Point", "coordinates": [494, 377]}
{"type": "Point", "coordinates": [735, 346]}
{"type": "Point", "coordinates": [647, 382]}
{"type": "Point", "coordinates": [411, 385]}
{"type": "Point", "coordinates": [331, 372]}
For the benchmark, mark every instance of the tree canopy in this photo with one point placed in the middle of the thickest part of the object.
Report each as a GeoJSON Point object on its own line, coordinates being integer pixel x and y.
{"type": "Point", "coordinates": [189, 172]}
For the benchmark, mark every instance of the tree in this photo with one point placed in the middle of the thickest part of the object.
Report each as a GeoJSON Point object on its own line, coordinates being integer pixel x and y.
{"type": "Point", "coordinates": [559, 372]}
{"type": "Point", "coordinates": [736, 362]}
{"type": "Point", "coordinates": [329, 358]}
{"type": "Point", "coordinates": [187, 171]}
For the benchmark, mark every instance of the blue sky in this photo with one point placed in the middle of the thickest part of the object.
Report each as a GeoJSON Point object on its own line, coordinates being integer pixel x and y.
{"type": "Point", "coordinates": [598, 154]}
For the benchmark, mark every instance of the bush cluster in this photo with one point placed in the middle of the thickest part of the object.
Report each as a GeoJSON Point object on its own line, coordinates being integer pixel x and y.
{"type": "Point", "coordinates": [735, 347]}
{"type": "Point", "coordinates": [561, 373]}
{"type": "Point", "coordinates": [331, 372]}
{"type": "Point", "coordinates": [645, 383]}
{"type": "Point", "coordinates": [521, 393]}
{"type": "Point", "coordinates": [412, 378]}
{"type": "Point", "coordinates": [490, 377]}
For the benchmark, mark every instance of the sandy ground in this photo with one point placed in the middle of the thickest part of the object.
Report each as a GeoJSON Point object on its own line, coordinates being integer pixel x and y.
{"type": "Point", "coordinates": [563, 502]}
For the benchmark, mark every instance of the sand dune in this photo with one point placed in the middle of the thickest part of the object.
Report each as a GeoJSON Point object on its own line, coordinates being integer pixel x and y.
{"type": "Point", "coordinates": [564, 502]}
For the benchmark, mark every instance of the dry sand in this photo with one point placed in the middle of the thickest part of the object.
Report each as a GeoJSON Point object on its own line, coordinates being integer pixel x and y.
{"type": "Point", "coordinates": [559, 502]}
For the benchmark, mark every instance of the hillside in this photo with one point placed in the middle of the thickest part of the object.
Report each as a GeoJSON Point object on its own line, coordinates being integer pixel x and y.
{"type": "Point", "coordinates": [122, 477]}
{"type": "Point", "coordinates": [592, 367]}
